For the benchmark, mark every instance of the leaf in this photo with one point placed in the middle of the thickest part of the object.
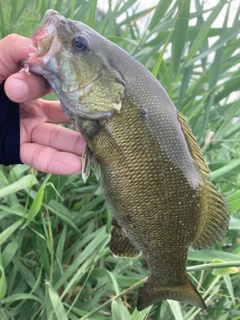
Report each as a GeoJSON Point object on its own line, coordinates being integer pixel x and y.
{"type": "Point", "coordinates": [119, 311]}
{"type": "Point", "coordinates": [179, 36]}
{"type": "Point", "coordinates": [9, 253]}
{"type": "Point", "coordinates": [35, 207]}
{"type": "Point", "coordinates": [229, 285]}
{"type": "Point", "coordinates": [160, 56]}
{"type": "Point", "coordinates": [229, 86]}
{"type": "Point", "coordinates": [20, 296]}
{"type": "Point", "coordinates": [227, 35]}
{"type": "Point", "coordinates": [140, 315]}
{"type": "Point", "coordinates": [176, 309]}
{"type": "Point", "coordinates": [22, 183]}
{"type": "Point", "coordinates": [3, 283]}
{"type": "Point", "coordinates": [123, 281]}
{"type": "Point", "coordinates": [56, 208]}
{"type": "Point", "coordinates": [234, 224]}
{"type": "Point", "coordinates": [92, 17]}
{"type": "Point", "coordinates": [89, 254]}
{"type": "Point", "coordinates": [223, 271]}
{"type": "Point", "coordinates": [225, 169]}
{"type": "Point", "coordinates": [204, 30]}
{"type": "Point", "coordinates": [211, 254]}
{"type": "Point", "coordinates": [57, 305]}
{"type": "Point", "coordinates": [233, 201]}
{"type": "Point", "coordinates": [9, 231]}
{"type": "Point", "coordinates": [159, 13]}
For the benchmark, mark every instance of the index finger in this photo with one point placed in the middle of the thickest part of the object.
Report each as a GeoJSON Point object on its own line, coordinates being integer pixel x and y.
{"type": "Point", "coordinates": [13, 49]}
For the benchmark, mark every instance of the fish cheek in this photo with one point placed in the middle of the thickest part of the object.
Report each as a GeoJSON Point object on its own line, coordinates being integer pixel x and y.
{"type": "Point", "coordinates": [105, 93]}
{"type": "Point", "coordinates": [73, 70]}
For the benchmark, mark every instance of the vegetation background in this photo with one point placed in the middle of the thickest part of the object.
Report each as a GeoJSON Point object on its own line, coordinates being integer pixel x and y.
{"type": "Point", "coordinates": [54, 230]}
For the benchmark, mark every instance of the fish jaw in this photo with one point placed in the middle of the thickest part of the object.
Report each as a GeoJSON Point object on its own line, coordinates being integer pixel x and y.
{"type": "Point", "coordinates": [46, 43]}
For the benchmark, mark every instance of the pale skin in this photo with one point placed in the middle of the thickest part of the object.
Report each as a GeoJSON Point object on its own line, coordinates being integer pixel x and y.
{"type": "Point", "coordinates": [46, 146]}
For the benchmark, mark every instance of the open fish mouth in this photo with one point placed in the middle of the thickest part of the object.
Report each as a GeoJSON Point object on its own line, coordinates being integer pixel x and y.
{"type": "Point", "coordinates": [45, 41]}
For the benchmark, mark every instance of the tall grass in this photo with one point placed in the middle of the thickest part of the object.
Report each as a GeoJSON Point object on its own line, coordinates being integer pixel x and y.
{"type": "Point", "coordinates": [54, 230]}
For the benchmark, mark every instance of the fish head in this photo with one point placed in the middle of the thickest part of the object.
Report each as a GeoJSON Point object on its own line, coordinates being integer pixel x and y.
{"type": "Point", "coordinates": [77, 63]}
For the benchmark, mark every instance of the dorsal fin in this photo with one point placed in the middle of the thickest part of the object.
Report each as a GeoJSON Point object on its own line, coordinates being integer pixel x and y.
{"type": "Point", "coordinates": [214, 213]}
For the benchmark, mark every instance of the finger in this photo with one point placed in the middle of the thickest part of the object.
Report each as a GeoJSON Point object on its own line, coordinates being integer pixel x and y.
{"type": "Point", "coordinates": [59, 138]}
{"type": "Point", "coordinates": [49, 160]}
{"type": "Point", "coordinates": [21, 87]}
{"type": "Point", "coordinates": [13, 49]}
{"type": "Point", "coordinates": [54, 112]}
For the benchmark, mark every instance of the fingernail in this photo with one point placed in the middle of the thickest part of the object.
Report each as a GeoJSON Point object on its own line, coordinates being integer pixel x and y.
{"type": "Point", "coordinates": [16, 90]}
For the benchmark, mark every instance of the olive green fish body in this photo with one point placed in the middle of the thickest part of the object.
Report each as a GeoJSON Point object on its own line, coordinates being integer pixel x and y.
{"type": "Point", "coordinates": [153, 194]}
{"type": "Point", "coordinates": [153, 175]}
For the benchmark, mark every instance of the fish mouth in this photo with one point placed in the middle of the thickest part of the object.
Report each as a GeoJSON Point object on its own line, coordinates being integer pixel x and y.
{"type": "Point", "coordinates": [45, 41]}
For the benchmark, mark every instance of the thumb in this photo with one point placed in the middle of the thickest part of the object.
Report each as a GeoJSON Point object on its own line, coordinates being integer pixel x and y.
{"type": "Point", "coordinates": [13, 49]}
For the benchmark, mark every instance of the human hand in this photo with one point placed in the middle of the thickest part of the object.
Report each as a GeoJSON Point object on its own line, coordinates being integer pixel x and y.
{"type": "Point", "coordinates": [45, 146]}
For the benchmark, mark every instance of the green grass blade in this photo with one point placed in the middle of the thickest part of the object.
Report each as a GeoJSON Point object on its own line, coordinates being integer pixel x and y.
{"type": "Point", "coordinates": [20, 296]}
{"type": "Point", "coordinates": [176, 309]}
{"type": "Point", "coordinates": [211, 254]}
{"type": "Point", "coordinates": [36, 206]}
{"type": "Point", "coordinates": [22, 183]}
{"type": "Point", "coordinates": [9, 253]}
{"type": "Point", "coordinates": [92, 16]}
{"type": "Point", "coordinates": [119, 311]}
{"type": "Point", "coordinates": [3, 283]}
{"type": "Point", "coordinates": [9, 231]}
{"type": "Point", "coordinates": [229, 285]}
{"type": "Point", "coordinates": [204, 30]}
{"type": "Point", "coordinates": [233, 201]}
{"type": "Point", "coordinates": [160, 56]}
{"type": "Point", "coordinates": [179, 36]}
{"type": "Point", "coordinates": [140, 315]}
{"type": "Point", "coordinates": [159, 13]}
{"type": "Point", "coordinates": [223, 270]}
{"type": "Point", "coordinates": [227, 35]}
{"type": "Point", "coordinates": [58, 308]}
{"type": "Point", "coordinates": [225, 169]}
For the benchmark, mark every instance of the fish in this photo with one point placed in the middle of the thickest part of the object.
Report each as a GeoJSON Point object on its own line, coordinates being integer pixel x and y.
{"type": "Point", "coordinates": [152, 172]}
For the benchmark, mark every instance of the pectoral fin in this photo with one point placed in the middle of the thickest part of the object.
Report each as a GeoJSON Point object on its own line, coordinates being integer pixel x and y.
{"type": "Point", "coordinates": [88, 158]}
{"type": "Point", "coordinates": [120, 245]}
{"type": "Point", "coordinates": [86, 163]}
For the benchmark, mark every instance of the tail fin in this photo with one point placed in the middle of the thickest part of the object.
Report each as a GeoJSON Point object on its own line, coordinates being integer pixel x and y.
{"type": "Point", "coordinates": [149, 294]}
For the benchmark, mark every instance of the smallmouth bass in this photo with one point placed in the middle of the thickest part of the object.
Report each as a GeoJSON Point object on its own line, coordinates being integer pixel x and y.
{"type": "Point", "coordinates": [153, 176]}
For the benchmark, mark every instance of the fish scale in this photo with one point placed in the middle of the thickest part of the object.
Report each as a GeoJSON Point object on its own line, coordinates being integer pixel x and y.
{"type": "Point", "coordinates": [152, 172]}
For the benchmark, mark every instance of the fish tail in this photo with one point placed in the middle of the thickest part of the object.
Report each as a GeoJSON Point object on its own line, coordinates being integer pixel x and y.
{"type": "Point", "coordinates": [150, 294]}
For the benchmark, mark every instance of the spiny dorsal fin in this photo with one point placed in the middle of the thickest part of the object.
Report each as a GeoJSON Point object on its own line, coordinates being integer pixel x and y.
{"type": "Point", "coordinates": [214, 213]}
{"type": "Point", "coordinates": [120, 245]}
{"type": "Point", "coordinates": [193, 146]}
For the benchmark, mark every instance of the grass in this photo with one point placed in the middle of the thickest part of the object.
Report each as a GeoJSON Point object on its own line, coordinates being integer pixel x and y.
{"type": "Point", "coordinates": [54, 230]}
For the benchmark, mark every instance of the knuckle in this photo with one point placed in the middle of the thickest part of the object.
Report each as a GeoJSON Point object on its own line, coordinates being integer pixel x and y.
{"type": "Point", "coordinates": [54, 136]}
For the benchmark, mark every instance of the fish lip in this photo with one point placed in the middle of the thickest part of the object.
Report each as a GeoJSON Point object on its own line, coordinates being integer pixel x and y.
{"type": "Point", "coordinates": [45, 41]}
{"type": "Point", "coordinates": [45, 31]}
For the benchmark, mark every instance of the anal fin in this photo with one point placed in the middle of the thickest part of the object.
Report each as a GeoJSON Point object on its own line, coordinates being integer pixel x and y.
{"type": "Point", "coordinates": [119, 244]}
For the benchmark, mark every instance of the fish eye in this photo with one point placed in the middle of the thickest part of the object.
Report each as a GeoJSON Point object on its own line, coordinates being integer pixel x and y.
{"type": "Point", "coordinates": [80, 43]}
